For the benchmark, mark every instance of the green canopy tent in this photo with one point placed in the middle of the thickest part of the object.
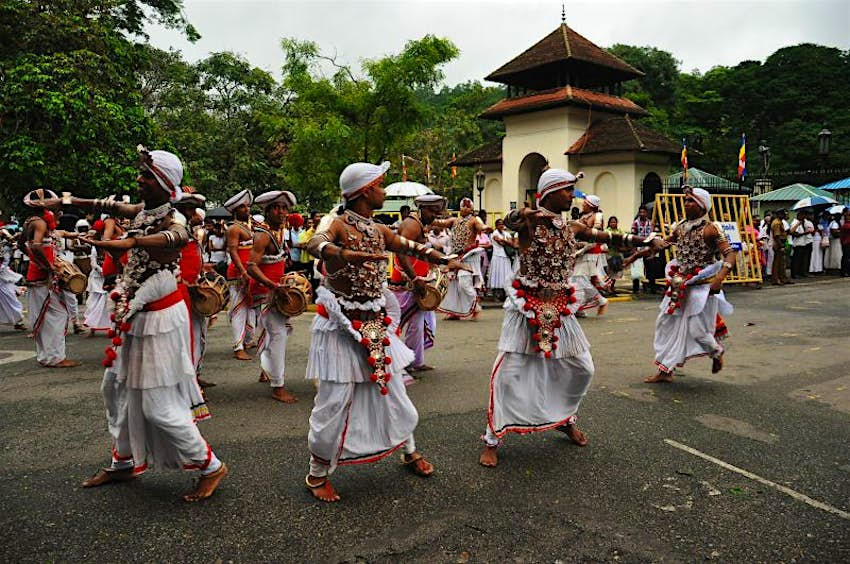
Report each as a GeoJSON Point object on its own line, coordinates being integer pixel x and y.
{"type": "Point", "coordinates": [785, 197]}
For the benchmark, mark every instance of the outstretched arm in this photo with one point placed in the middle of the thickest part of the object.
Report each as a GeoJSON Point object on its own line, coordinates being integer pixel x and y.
{"type": "Point", "coordinates": [403, 246]}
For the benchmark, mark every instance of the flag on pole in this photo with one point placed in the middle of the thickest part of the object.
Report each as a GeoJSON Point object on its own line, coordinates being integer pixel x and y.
{"type": "Point", "coordinates": [684, 158]}
{"type": "Point", "coordinates": [742, 158]}
{"type": "Point", "coordinates": [454, 168]}
{"type": "Point", "coordinates": [403, 168]}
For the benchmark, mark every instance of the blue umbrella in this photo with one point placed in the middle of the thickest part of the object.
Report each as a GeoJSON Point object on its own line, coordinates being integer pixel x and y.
{"type": "Point", "coordinates": [813, 201]}
{"type": "Point", "coordinates": [578, 194]}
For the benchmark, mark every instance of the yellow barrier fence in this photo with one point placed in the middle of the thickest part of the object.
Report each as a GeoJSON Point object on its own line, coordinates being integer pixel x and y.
{"type": "Point", "coordinates": [734, 215]}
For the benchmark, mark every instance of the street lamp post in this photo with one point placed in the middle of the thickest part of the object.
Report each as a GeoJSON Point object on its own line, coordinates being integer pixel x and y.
{"type": "Point", "coordinates": [479, 185]}
{"type": "Point", "coordinates": [823, 141]}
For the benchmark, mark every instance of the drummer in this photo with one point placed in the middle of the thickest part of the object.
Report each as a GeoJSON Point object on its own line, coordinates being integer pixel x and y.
{"type": "Point", "coordinates": [266, 266]}
{"type": "Point", "coordinates": [418, 326]}
{"type": "Point", "coordinates": [191, 264]}
{"type": "Point", "coordinates": [239, 239]}
{"type": "Point", "coordinates": [47, 308]}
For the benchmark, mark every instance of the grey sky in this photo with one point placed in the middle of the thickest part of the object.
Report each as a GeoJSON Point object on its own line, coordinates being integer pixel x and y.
{"type": "Point", "coordinates": [701, 34]}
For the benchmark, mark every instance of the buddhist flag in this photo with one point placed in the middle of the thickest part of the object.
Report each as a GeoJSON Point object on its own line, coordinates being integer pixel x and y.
{"type": "Point", "coordinates": [403, 168]}
{"type": "Point", "coordinates": [742, 158]}
{"type": "Point", "coordinates": [684, 158]}
{"type": "Point", "coordinates": [454, 168]}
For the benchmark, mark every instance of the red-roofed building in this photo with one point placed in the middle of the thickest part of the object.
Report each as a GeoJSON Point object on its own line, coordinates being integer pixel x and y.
{"type": "Point", "coordinates": [564, 109]}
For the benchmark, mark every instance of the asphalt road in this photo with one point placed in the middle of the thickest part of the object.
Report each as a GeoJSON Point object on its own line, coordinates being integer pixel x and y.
{"type": "Point", "coordinates": [779, 410]}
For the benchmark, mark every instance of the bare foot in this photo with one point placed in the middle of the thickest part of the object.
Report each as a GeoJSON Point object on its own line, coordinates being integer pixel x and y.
{"type": "Point", "coordinates": [575, 434]}
{"type": "Point", "coordinates": [64, 364]}
{"type": "Point", "coordinates": [602, 309]}
{"type": "Point", "coordinates": [241, 355]}
{"type": "Point", "coordinates": [659, 378]}
{"type": "Point", "coordinates": [322, 489]}
{"type": "Point", "coordinates": [717, 364]}
{"type": "Point", "coordinates": [263, 376]}
{"type": "Point", "coordinates": [417, 464]}
{"type": "Point", "coordinates": [207, 484]}
{"type": "Point", "coordinates": [489, 458]}
{"type": "Point", "coordinates": [108, 476]}
{"type": "Point", "coordinates": [280, 394]}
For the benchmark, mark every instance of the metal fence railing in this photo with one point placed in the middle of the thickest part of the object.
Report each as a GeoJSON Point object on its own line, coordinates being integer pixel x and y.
{"type": "Point", "coordinates": [734, 215]}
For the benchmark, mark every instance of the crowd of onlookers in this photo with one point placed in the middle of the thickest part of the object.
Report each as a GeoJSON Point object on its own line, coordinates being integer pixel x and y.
{"type": "Point", "coordinates": [811, 243]}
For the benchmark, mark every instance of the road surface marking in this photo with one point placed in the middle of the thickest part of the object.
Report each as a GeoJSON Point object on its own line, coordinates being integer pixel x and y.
{"type": "Point", "coordinates": [788, 491]}
{"type": "Point", "coordinates": [15, 356]}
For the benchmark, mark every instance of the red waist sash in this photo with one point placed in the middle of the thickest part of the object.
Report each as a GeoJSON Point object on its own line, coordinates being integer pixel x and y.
{"type": "Point", "coordinates": [109, 267]}
{"type": "Point", "coordinates": [34, 272]}
{"type": "Point", "coordinates": [244, 254]}
{"type": "Point", "coordinates": [420, 266]}
{"type": "Point", "coordinates": [190, 262]}
{"type": "Point", "coordinates": [273, 271]}
{"type": "Point", "coordinates": [174, 297]}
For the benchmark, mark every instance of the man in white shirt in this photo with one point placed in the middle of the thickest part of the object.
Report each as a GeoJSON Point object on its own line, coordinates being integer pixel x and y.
{"type": "Point", "coordinates": [802, 235]}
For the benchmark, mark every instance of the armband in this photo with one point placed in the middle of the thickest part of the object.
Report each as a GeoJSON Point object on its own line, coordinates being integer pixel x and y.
{"type": "Point", "coordinates": [446, 259]}
{"type": "Point", "coordinates": [322, 246]}
{"type": "Point", "coordinates": [727, 266]}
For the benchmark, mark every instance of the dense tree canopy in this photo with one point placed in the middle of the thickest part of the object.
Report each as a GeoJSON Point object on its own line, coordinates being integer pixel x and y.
{"type": "Point", "coordinates": [80, 87]}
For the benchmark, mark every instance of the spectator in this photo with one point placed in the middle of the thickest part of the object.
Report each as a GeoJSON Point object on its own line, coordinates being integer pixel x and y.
{"type": "Point", "coordinates": [816, 260]}
{"type": "Point", "coordinates": [217, 248]}
{"type": "Point", "coordinates": [642, 227]}
{"type": "Point", "coordinates": [779, 233]}
{"type": "Point", "coordinates": [295, 222]}
{"type": "Point", "coordinates": [832, 257]}
{"type": "Point", "coordinates": [802, 235]}
{"type": "Point", "coordinates": [440, 240]}
{"type": "Point", "coordinates": [500, 266]}
{"type": "Point", "coordinates": [766, 244]}
{"type": "Point", "coordinates": [404, 211]}
{"type": "Point", "coordinates": [614, 268]}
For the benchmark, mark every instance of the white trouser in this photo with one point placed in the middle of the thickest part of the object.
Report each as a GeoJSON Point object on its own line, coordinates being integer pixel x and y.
{"type": "Point", "coordinates": [272, 348]}
{"type": "Point", "coordinates": [49, 320]}
{"type": "Point", "coordinates": [241, 316]}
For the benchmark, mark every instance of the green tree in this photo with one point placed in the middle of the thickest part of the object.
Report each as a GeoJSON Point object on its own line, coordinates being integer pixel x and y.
{"type": "Point", "coordinates": [70, 106]}
{"type": "Point", "coordinates": [336, 115]}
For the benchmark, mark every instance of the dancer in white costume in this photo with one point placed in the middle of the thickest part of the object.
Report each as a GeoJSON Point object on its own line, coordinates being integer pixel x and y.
{"type": "Point", "coordinates": [149, 388]}
{"type": "Point", "coordinates": [590, 261]}
{"type": "Point", "coordinates": [240, 239]}
{"type": "Point", "coordinates": [543, 368]}
{"type": "Point", "coordinates": [46, 299]}
{"type": "Point", "coordinates": [418, 327]}
{"type": "Point", "coordinates": [266, 266]}
{"type": "Point", "coordinates": [362, 412]}
{"type": "Point", "coordinates": [690, 322]}
{"type": "Point", "coordinates": [11, 309]}
{"type": "Point", "coordinates": [461, 299]}
{"type": "Point", "coordinates": [97, 302]}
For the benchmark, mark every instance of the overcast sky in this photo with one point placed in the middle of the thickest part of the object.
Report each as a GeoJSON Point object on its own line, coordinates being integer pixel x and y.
{"type": "Point", "coordinates": [700, 34]}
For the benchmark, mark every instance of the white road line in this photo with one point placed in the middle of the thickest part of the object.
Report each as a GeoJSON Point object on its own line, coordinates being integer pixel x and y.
{"type": "Point", "coordinates": [788, 491]}
{"type": "Point", "coordinates": [16, 356]}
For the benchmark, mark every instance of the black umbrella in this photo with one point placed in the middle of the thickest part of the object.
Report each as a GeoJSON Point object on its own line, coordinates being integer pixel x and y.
{"type": "Point", "coordinates": [219, 213]}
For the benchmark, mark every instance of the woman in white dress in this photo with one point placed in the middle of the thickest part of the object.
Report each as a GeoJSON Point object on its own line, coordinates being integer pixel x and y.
{"type": "Point", "coordinates": [832, 257]}
{"type": "Point", "coordinates": [816, 261]}
{"type": "Point", "coordinates": [11, 309]}
{"type": "Point", "coordinates": [501, 267]}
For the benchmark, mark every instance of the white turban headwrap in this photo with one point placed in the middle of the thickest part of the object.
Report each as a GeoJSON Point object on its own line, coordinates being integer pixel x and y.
{"type": "Point", "coordinates": [243, 197]}
{"type": "Point", "coordinates": [166, 168]}
{"type": "Point", "coordinates": [555, 179]}
{"type": "Point", "coordinates": [202, 213]}
{"type": "Point", "coordinates": [428, 200]}
{"type": "Point", "coordinates": [594, 201]}
{"type": "Point", "coordinates": [466, 202]}
{"type": "Point", "coordinates": [702, 197]}
{"type": "Point", "coordinates": [276, 197]}
{"type": "Point", "coordinates": [358, 177]}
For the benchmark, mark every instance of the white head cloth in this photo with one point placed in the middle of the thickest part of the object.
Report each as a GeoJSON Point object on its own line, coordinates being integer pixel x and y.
{"type": "Point", "coordinates": [258, 217]}
{"type": "Point", "coordinates": [593, 201]}
{"type": "Point", "coordinates": [39, 194]}
{"type": "Point", "coordinates": [243, 197]}
{"type": "Point", "coordinates": [702, 197]}
{"type": "Point", "coordinates": [428, 200]}
{"type": "Point", "coordinates": [555, 179]}
{"type": "Point", "coordinates": [193, 199]}
{"type": "Point", "coordinates": [358, 177]}
{"type": "Point", "coordinates": [167, 169]}
{"type": "Point", "coordinates": [276, 197]}
{"type": "Point", "coordinates": [466, 202]}
{"type": "Point", "coordinates": [202, 213]}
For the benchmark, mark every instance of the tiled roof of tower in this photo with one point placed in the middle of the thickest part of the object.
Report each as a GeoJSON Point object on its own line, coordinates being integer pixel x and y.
{"type": "Point", "coordinates": [621, 134]}
{"type": "Point", "coordinates": [489, 153]}
{"type": "Point", "coordinates": [563, 44]}
{"type": "Point", "coordinates": [564, 96]}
